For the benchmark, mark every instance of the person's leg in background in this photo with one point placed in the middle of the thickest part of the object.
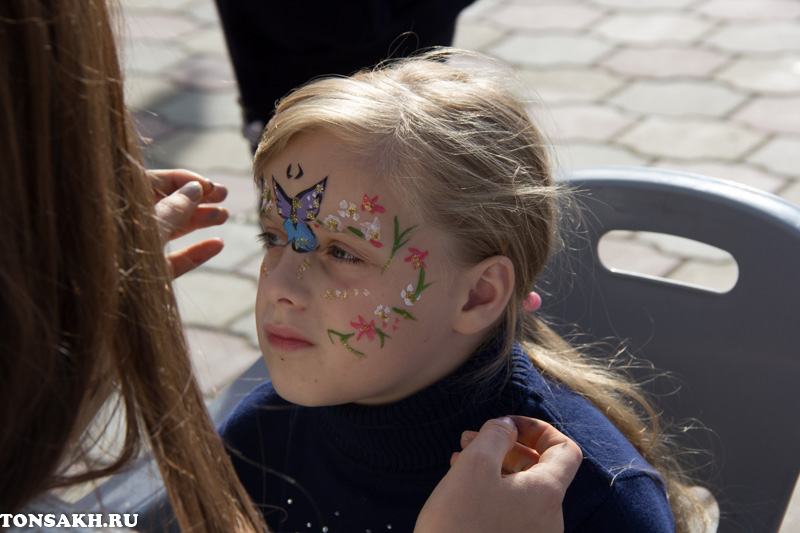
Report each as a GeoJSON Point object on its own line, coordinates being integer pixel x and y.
{"type": "Point", "coordinates": [276, 46]}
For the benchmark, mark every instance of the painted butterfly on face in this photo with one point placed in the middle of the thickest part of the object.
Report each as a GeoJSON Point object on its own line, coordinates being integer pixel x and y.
{"type": "Point", "coordinates": [298, 212]}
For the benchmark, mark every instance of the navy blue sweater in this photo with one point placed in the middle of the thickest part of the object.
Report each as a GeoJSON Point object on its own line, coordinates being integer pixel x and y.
{"type": "Point", "coordinates": [352, 468]}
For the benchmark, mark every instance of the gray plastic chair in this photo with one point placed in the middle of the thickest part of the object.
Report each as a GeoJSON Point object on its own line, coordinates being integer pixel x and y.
{"type": "Point", "coordinates": [736, 354]}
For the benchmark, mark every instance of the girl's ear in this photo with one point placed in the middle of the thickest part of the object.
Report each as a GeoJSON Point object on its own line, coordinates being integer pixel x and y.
{"type": "Point", "coordinates": [487, 290]}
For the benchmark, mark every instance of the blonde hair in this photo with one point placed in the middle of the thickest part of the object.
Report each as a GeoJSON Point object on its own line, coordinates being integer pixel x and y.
{"type": "Point", "coordinates": [445, 129]}
{"type": "Point", "coordinates": [87, 306]}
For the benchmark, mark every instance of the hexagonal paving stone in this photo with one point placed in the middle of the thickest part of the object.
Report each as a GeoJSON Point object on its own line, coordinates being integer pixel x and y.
{"type": "Point", "coordinates": [644, 4]}
{"type": "Point", "coordinates": [779, 155]}
{"type": "Point", "coordinates": [658, 27]}
{"type": "Point", "coordinates": [219, 358]}
{"type": "Point", "coordinates": [476, 35]}
{"type": "Point", "coordinates": [764, 74]}
{"type": "Point", "coordinates": [550, 49]}
{"type": "Point", "coordinates": [774, 114]}
{"type": "Point", "coordinates": [757, 37]}
{"type": "Point", "coordinates": [585, 122]}
{"type": "Point", "coordinates": [213, 300]}
{"type": "Point", "coordinates": [678, 98]}
{"type": "Point", "coordinates": [580, 154]}
{"type": "Point", "coordinates": [666, 61]}
{"type": "Point", "coordinates": [571, 84]}
{"type": "Point", "coordinates": [205, 73]}
{"type": "Point", "coordinates": [153, 26]}
{"type": "Point", "coordinates": [751, 9]}
{"type": "Point", "coordinates": [546, 16]}
{"type": "Point", "coordinates": [203, 151]}
{"type": "Point", "coordinates": [690, 138]}
{"type": "Point", "coordinates": [201, 109]}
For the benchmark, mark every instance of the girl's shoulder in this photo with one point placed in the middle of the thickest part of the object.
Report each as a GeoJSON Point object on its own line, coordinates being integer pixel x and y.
{"type": "Point", "coordinates": [615, 489]}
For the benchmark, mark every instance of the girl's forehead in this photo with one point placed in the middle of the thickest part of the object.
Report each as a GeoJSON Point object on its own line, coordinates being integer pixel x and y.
{"type": "Point", "coordinates": [310, 159]}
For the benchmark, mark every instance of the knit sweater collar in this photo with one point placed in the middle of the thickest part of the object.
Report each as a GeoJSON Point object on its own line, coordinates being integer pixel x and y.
{"type": "Point", "coordinates": [419, 433]}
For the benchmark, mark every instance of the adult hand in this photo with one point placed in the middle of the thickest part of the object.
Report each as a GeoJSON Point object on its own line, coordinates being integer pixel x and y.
{"type": "Point", "coordinates": [181, 207]}
{"type": "Point", "coordinates": [476, 496]}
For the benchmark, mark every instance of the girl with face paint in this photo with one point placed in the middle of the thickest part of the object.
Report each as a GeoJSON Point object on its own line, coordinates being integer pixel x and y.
{"type": "Point", "coordinates": [394, 309]}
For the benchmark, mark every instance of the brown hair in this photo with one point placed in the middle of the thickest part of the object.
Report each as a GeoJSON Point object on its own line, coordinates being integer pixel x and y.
{"type": "Point", "coordinates": [447, 131]}
{"type": "Point", "coordinates": [87, 306]}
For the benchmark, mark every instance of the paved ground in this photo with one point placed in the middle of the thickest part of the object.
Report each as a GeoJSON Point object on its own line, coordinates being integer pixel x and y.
{"type": "Point", "coordinates": [707, 86]}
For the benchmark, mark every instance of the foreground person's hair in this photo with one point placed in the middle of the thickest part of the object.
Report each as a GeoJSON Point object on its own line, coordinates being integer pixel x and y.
{"type": "Point", "coordinates": [87, 308]}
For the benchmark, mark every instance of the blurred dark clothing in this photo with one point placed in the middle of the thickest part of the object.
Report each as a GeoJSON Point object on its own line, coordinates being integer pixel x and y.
{"type": "Point", "coordinates": [276, 46]}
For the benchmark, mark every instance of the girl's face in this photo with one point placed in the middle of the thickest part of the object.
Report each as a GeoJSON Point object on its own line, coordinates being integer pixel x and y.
{"type": "Point", "coordinates": [356, 298]}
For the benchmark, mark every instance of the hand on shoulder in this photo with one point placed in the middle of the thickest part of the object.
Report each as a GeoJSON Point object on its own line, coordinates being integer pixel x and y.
{"type": "Point", "coordinates": [478, 495]}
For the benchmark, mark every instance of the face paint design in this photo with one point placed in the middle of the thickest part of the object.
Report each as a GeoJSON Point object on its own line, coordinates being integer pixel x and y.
{"type": "Point", "coordinates": [266, 197]}
{"type": "Point", "coordinates": [410, 295]}
{"type": "Point", "coordinates": [336, 294]}
{"type": "Point", "coordinates": [299, 173]}
{"type": "Point", "coordinates": [302, 268]}
{"type": "Point", "coordinates": [298, 212]}
{"type": "Point", "coordinates": [398, 242]}
{"type": "Point", "coordinates": [371, 205]}
{"type": "Point", "coordinates": [373, 349]}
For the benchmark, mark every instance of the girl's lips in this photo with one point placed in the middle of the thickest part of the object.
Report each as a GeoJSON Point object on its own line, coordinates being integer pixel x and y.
{"type": "Point", "coordinates": [285, 339]}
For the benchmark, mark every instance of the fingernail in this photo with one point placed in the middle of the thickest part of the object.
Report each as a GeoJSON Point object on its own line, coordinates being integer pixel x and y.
{"type": "Point", "coordinates": [507, 421]}
{"type": "Point", "coordinates": [192, 190]}
{"type": "Point", "coordinates": [467, 437]}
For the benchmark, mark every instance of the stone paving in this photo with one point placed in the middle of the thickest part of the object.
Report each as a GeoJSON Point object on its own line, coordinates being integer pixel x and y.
{"type": "Point", "coordinates": [706, 86]}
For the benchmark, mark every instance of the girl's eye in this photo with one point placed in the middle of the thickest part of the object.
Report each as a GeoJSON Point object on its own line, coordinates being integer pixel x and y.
{"type": "Point", "coordinates": [342, 255]}
{"type": "Point", "coordinates": [271, 239]}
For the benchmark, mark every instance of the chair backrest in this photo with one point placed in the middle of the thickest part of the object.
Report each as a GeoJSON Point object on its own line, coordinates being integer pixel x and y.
{"type": "Point", "coordinates": [736, 354]}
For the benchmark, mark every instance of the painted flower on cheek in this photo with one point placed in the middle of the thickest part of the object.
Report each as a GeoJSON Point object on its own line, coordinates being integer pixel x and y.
{"type": "Point", "coordinates": [348, 210]}
{"type": "Point", "coordinates": [372, 232]}
{"type": "Point", "coordinates": [363, 328]}
{"type": "Point", "coordinates": [371, 205]}
{"type": "Point", "coordinates": [417, 258]}
{"type": "Point", "coordinates": [383, 312]}
{"type": "Point", "coordinates": [408, 295]}
{"type": "Point", "coordinates": [333, 223]}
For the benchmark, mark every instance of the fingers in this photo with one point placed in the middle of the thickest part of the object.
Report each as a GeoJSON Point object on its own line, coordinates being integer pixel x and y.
{"type": "Point", "coordinates": [166, 182]}
{"type": "Point", "coordinates": [561, 462]}
{"type": "Point", "coordinates": [538, 442]}
{"type": "Point", "coordinates": [193, 256]}
{"type": "Point", "coordinates": [519, 458]}
{"type": "Point", "coordinates": [180, 212]}
{"type": "Point", "coordinates": [558, 452]}
{"type": "Point", "coordinates": [486, 452]}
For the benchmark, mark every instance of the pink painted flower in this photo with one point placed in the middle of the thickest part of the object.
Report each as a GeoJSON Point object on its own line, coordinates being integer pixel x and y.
{"type": "Point", "coordinates": [369, 204]}
{"type": "Point", "coordinates": [363, 328]}
{"type": "Point", "coordinates": [417, 258]}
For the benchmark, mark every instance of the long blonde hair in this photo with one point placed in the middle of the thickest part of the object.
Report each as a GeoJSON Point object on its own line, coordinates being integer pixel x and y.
{"type": "Point", "coordinates": [87, 306]}
{"type": "Point", "coordinates": [448, 132]}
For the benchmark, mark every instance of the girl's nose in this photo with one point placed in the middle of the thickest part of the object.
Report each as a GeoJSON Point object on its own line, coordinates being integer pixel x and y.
{"type": "Point", "coordinates": [285, 281]}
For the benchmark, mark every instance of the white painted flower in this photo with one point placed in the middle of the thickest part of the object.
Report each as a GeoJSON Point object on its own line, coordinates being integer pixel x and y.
{"type": "Point", "coordinates": [407, 295]}
{"type": "Point", "coordinates": [372, 230]}
{"type": "Point", "coordinates": [333, 223]}
{"type": "Point", "coordinates": [383, 312]}
{"type": "Point", "coordinates": [348, 210]}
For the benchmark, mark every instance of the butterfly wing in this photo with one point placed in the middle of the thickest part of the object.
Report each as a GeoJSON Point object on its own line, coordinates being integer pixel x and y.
{"type": "Point", "coordinates": [308, 206]}
{"type": "Point", "coordinates": [282, 200]}
{"type": "Point", "coordinates": [301, 237]}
